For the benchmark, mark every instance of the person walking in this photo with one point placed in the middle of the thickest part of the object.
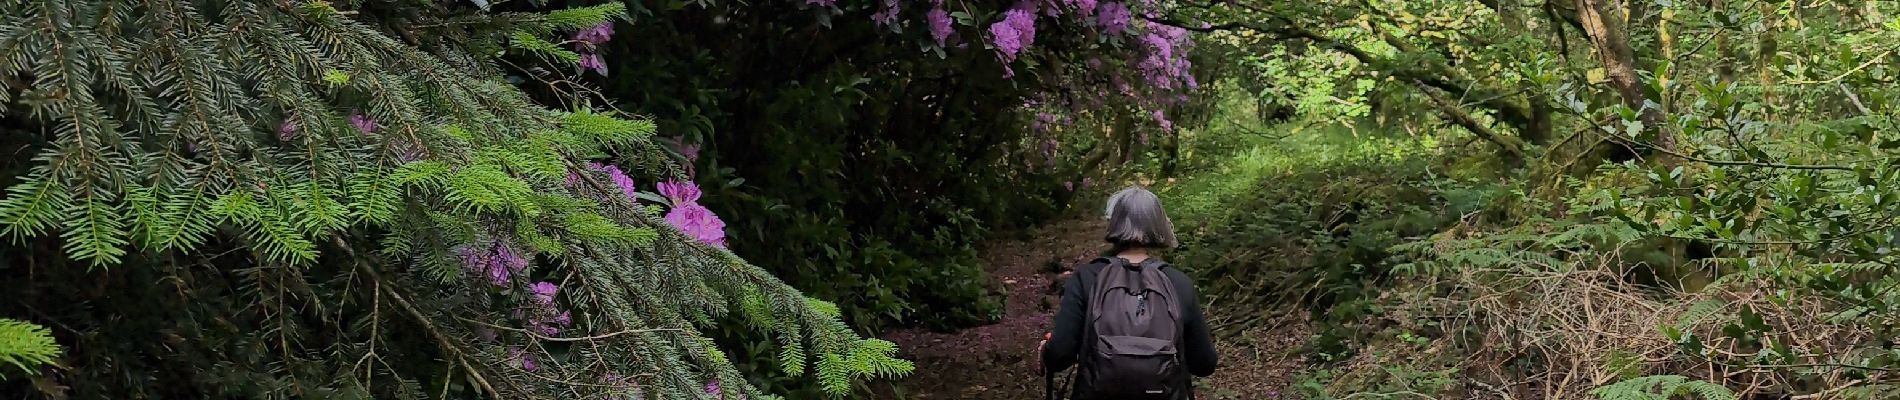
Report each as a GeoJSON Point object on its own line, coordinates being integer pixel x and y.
{"type": "Point", "coordinates": [1129, 322]}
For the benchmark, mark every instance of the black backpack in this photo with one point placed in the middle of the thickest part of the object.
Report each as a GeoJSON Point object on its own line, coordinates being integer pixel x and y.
{"type": "Point", "coordinates": [1134, 329]}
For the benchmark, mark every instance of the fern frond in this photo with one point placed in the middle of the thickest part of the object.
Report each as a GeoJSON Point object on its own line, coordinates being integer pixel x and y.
{"type": "Point", "coordinates": [1700, 311]}
{"type": "Point", "coordinates": [1662, 387]}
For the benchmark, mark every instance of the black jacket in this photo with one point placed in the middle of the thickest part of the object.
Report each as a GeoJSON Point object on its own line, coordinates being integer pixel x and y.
{"type": "Point", "coordinates": [1072, 330]}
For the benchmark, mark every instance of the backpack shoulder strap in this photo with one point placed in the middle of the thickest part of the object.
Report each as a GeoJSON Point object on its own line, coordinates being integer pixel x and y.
{"type": "Point", "coordinates": [1165, 284]}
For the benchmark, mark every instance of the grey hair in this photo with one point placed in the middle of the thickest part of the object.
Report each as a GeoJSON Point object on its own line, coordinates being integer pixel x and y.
{"type": "Point", "coordinates": [1136, 219]}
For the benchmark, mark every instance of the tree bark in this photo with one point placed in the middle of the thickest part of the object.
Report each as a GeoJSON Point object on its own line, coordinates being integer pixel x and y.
{"type": "Point", "coordinates": [1611, 42]}
{"type": "Point", "coordinates": [1513, 147]}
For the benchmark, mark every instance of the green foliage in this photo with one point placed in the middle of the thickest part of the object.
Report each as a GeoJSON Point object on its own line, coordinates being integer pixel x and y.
{"type": "Point", "coordinates": [532, 44]}
{"type": "Point", "coordinates": [307, 201]}
{"type": "Point", "coordinates": [1663, 387]}
{"type": "Point", "coordinates": [569, 19]}
{"type": "Point", "coordinates": [1722, 166]}
{"type": "Point", "coordinates": [604, 128]}
{"type": "Point", "coordinates": [26, 346]}
{"type": "Point", "coordinates": [1311, 218]}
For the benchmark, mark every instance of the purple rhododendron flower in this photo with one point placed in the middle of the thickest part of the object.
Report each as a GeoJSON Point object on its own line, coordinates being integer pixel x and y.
{"type": "Point", "coordinates": [1112, 17]}
{"type": "Point", "coordinates": [614, 174]}
{"type": "Point", "coordinates": [574, 177]}
{"type": "Point", "coordinates": [887, 15]}
{"type": "Point", "coordinates": [1048, 119]}
{"type": "Point", "coordinates": [1069, 186]}
{"type": "Point", "coordinates": [498, 262]}
{"type": "Point", "coordinates": [691, 151]}
{"type": "Point", "coordinates": [1161, 118]}
{"type": "Point", "coordinates": [524, 359]}
{"type": "Point", "coordinates": [1003, 37]}
{"type": "Point", "coordinates": [596, 34]}
{"type": "Point", "coordinates": [713, 389]}
{"type": "Point", "coordinates": [1016, 31]}
{"type": "Point", "coordinates": [700, 223]}
{"type": "Point", "coordinates": [690, 217]}
{"type": "Point", "coordinates": [1043, 122]}
{"type": "Point", "coordinates": [939, 24]}
{"type": "Point", "coordinates": [1084, 8]}
{"type": "Point", "coordinates": [363, 123]}
{"type": "Point", "coordinates": [1024, 19]}
{"type": "Point", "coordinates": [544, 292]}
{"type": "Point", "coordinates": [287, 130]}
{"type": "Point", "coordinates": [679, 192]}
{"type": "Point", "coordinates": [620, 179]}
{"type": "Point", "coordinates": [592, 61]}
{"type": "Point", "coordinates": [1166, 61]}
{"type": "Point", "coordinates": [546, 317]}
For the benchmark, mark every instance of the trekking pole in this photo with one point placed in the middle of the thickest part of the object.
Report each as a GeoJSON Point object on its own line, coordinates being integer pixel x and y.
{"type": "Point", "coordinates": [1051, 390]}
{"type": "Point", "coordinates": [1048, 385]}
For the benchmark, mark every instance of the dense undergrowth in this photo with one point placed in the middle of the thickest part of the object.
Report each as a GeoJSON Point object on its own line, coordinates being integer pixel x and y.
{"type": "Point", "coordinates": [1427, 276]}
{"type": "Point", "coordinates": [1701, 208]}
{"type": "Point", "coordinates": [1434, 272]}
{"type": "Point", "coordinates": [1314, 213]}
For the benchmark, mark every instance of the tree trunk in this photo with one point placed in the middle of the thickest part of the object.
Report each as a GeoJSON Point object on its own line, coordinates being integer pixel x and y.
{"type": "Point", "coordinates": [1172, 159]}
{"type": "Point", "coordinates": [1611, 42]}
{"type": "Point", "coordinates": [1512, 146]}
{"type": "Point", "coordinates": [1723, 68]}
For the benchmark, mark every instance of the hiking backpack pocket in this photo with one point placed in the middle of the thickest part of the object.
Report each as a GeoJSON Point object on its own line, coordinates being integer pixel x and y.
{"type": "Point", "coordinates": [1133, 368]}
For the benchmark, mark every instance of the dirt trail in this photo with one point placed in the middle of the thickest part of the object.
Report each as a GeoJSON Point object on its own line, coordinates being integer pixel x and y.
{"type": "Point", "coordinates": [997, 361]}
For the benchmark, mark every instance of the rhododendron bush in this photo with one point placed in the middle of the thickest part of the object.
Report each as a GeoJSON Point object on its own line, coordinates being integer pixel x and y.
{"type": "Point", "coordinates": [542, 199]}
{"type": "Point", "coordinates": [310, 199]}
{"type": "Point", "coordinates": [869, 146]}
